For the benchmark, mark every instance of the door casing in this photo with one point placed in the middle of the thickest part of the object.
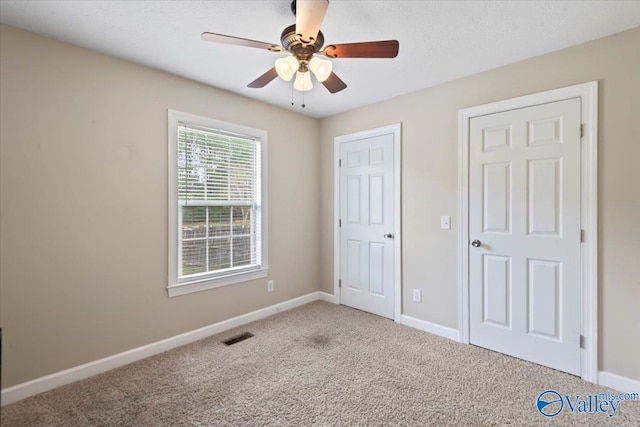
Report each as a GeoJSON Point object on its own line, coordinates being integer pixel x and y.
{"type": "Point", "coordinates": [588, 93]}
{"type": "Point", "coordinates": [396, 130]}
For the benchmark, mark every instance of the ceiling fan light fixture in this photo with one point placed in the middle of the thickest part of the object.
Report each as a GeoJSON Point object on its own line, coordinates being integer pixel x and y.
{"type": "Point", "coordinates": [303, 81]}
{"type": "Point", "coordinates": [286, 67]}
{"type": "Point", "coordinates": [321, 68]}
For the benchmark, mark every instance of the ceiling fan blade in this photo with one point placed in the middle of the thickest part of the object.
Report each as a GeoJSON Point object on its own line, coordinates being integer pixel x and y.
{"type": "Point", "coordinates": [309, 16]}
{"type": "Point", "coordinates": [381, 49]}
{"type": "Point", "coordinates": [221, 38]}
{"type": "Point", "coordinates": [264, 79]}
{"type": "Point", "coordinates": [334, 84]}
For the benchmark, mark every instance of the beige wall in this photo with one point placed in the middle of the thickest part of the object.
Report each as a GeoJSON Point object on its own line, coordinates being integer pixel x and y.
{"type": "Point", "coordinates": [83, 275]}
{"type": "Point", "coordinates": [429, 181]}
{"type": "Point", "coordinates": [84, 206]}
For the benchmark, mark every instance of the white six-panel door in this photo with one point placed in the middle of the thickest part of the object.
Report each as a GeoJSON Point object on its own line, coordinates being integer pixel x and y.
{"type": "Point", "coordinates": [524, 224]}
{"type": "Point", "coordinates": [367, 224]}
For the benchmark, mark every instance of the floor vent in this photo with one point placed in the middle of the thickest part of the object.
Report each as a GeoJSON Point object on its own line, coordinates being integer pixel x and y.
{"type": "Point", "coordinates": [238, 338]}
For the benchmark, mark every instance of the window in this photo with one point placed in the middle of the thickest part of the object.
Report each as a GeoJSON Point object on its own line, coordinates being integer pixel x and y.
{"type": "Point", "coordinates": [217, 215]}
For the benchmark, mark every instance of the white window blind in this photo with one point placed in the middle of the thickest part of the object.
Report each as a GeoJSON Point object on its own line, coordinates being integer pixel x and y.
{"type": "Point", "coordinates": [219, 192]}
{"type": "Point", "coordinates": [217, 203]}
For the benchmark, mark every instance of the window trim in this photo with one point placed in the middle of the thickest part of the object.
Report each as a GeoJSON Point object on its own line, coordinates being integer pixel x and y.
{"type": "Point", "coordinates": [175, 287]}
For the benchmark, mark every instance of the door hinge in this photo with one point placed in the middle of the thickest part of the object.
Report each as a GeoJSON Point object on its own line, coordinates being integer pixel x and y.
{"type": "Point", "coordinates": [581, 130]}
{"type": "Point", "coordinates": [582, 236]}
{"type": "Point", "coordinates": [582, 341]}
{"type": "Point", "coordinates": [339, 163]}
{"type": "Point", "coordinates": [339, 223]}
{"type": "Point", "coordinates": [340, 283]}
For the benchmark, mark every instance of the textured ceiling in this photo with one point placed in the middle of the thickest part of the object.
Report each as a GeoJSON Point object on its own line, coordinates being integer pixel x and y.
{"type": "Point", "coordinates": [439, 41]}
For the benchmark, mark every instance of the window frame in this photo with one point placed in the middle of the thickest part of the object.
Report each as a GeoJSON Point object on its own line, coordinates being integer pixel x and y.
{"type": "Point", "coordinates": [177, 286]}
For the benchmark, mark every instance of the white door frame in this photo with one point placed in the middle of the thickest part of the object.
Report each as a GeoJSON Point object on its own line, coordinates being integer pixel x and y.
{"type": "Point", "coordinates": [588, 93]}
{"type": "Point", "coordinates": [396, 130]}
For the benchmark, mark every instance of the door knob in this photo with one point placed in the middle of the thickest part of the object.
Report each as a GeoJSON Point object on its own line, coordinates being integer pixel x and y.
{"type": "Point", "coordinates": [476, 243]}
{"type": "Point", "coordinates": [388, 236]}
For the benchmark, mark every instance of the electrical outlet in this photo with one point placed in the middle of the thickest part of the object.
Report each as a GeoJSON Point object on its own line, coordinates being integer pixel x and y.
{"type": "Point", "coordinates": [270, 286]}
{"type": "Point", "coordinates": [417, 295]}
{"type": "Point", "coordinates": [445, 222]}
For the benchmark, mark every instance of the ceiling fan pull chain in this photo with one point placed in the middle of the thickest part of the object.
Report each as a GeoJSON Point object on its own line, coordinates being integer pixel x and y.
{"type": "Point", "coordinates": [303, 81]}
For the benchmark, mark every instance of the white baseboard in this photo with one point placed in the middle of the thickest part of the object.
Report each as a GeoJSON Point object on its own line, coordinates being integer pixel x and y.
{"type": "Point", "coordinates": [42, 384]}
{"type": "Point", "coordinates": [618, 382]}
{"type": "Point", "coordinates": [327, 297]}
{"type": "Point", "coordinates": [423, 325]}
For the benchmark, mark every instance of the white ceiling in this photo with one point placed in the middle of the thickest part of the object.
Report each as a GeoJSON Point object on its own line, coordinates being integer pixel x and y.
{"type": "Point", "coordinates": [439, 40]}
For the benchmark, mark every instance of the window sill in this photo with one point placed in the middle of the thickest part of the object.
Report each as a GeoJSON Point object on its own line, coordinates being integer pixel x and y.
{"type": "Point", "coordinates": [218, 282]}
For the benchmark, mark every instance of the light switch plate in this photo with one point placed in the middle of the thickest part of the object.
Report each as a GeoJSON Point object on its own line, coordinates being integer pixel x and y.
{"type": "Point", "coordinates": [445, 222]}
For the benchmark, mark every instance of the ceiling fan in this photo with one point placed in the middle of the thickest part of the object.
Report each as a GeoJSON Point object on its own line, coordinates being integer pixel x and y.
{"type": "Point", "coordinates": [304, 40]}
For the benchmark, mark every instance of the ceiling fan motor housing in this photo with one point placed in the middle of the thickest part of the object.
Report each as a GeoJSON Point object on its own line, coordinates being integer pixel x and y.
{"type": "Point", "coordinates": [302, 52]}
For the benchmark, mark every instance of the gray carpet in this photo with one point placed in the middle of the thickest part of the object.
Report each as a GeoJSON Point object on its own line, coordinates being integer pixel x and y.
{"type": "Point", "coordinates": [319, 364]}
